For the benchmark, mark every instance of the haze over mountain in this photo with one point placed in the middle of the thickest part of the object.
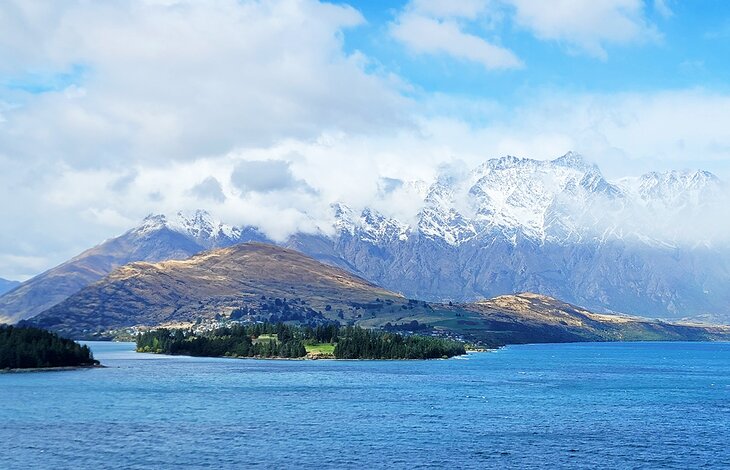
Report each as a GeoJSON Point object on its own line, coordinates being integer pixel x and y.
{"type": "Point", "coordinates": [645, 245]}
{"type": "Point", "coordinates": [6, 285]}
{"type": "Point", "coordinates": [653, 245]}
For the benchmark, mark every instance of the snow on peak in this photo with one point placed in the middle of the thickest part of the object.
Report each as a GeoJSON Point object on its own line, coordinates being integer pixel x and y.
{"type": "Point", "coordinates": [204, 228]}
{"type": "Point", "coordinates": [576, 161]}
{"type": "Point", "coordinates": [671, 185]}
{"type": "Point", "coordinates": [377, 227]}
{"type": "Point", "coordinates": [151, 223]}
{"type": "Point", "coordinates": [510, 195]}
{"type": "Point", "coordinates": [369, 225]}
{"type": "Point", "coordinates": [344, 218]}
{"type": "Point", "coordinates": [199, 225]}
{"type": "Point", "coordinates": [564, 200]}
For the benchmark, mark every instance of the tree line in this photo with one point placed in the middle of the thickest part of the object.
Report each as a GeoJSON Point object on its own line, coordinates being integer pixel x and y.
{"type": "Point", "coordinates": [254, 340]}
{"type": "Point", "coordinates": [286, 341]}
{"type": "Point", "coordinates": [359, 343]}
{"type": "Point", "coordinates": [32, 348]}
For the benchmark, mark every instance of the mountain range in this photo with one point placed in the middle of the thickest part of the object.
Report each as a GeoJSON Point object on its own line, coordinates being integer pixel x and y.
{"type": "Point", "coordinates": [646, 246]}
{"type": "Point", "coordinates": [261, 282]}
{"type": "Point", "coordinates": [211, 284]}
{"type": "Point", "coordinates": [7, 285]}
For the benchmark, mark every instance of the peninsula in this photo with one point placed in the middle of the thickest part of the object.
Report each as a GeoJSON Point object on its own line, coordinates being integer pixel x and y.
{"type": "Point", "coordinates": [268, 340]}
{"type": "Point", "coordinates": [27, 348]}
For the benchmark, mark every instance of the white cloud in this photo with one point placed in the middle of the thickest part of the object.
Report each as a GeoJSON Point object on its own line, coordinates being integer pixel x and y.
{"type": "Point", "coordinates": [175, 80]}
{"type": "Point", "coordinates": [469, 9]}
{"type": "Point", "coordinates": [425, 35]}
{"type": "Point", "coordinates": [586, 25]}
{"type": "Point", "coordinates": [582, 26]}
{"type": "Point", "coordinates": [626, 134]}
{"type": "Point", "coordinates": [139, 86]}
{"type": "Point", "coordinates": [21, 268]}
{"type": "Point", "coordinates": [209, 188]}
{"type": "Point", "coordinates": [662, 7]}
{"type": "Point", "coordinates": [176, 97]}
{"type": "Point", "coordinates": [265, 176]}
{"type": "Point", "coordinates": [430, 27]}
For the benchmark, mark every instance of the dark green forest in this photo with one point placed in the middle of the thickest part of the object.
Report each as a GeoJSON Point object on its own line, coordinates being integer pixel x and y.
{"type": "Point", "coordinates": [256, 340]}
{"type": "Point", "coordinates": [32, 348]}
{"type": "Point", "coordinates": [278, 340]}
{"type": "Point", "coordinates": [359, 343]}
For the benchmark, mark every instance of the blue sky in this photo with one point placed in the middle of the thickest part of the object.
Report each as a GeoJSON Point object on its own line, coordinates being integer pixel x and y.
{"type": "Point", "coordinates": [113, 110]}
{"type": "Point", "coordinates": [692, 50]}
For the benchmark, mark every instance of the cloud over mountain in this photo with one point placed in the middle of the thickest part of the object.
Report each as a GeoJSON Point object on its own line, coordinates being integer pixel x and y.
{"type": "Point", "coordinates": [268, 112]}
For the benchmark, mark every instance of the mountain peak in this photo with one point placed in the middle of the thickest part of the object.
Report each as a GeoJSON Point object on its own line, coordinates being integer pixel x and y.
{"type": "Point", "coordinates": [574, 160]}
{"type": "Point", "coordinates": [673, 184]}
{"type": "Point", "coordinates": [211, 283]}
{"type": "Point", "coordinates": [508, 161]}
{"type": "Point", "coordinates": [198, 224]}
{"type": "Point", "coordinates": [151, 223]}
{"type": "Point", "coordinates": [690, 177]}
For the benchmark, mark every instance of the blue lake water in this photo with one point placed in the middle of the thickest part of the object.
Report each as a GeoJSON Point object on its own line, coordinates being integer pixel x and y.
{"type": "Point", "coordinates": [608, 405]}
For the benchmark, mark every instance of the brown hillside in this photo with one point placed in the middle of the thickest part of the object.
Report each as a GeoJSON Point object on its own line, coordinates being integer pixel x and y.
{"type": "Point", "coordinates": [209, 284]}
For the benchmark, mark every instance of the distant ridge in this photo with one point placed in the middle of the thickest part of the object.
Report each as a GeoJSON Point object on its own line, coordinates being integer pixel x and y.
{"type": "Point", "coordinates": [209, 284]}
{"type": "Point", "coordinates": [260, 282]}
{"type": "Point", "coordinates": [6, 285]}
{"type": "Point", "coordinates": [156, 239]}
{"type": "Point", "coordinates": [509, 225]}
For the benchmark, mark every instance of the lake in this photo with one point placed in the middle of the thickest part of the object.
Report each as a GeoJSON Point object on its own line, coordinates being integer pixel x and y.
{"type": "Point", "coordinates": [585, 405]}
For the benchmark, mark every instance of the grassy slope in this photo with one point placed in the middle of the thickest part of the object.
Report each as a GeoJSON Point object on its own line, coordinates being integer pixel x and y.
{"type": "Point", "coordinates": [209, 284]}
{"type": "Point", "coordinates": [530, 318]}
{"type": "Point", "coordinates": [323, 349]}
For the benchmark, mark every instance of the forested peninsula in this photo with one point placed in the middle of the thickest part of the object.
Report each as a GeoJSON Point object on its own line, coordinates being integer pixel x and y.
{"type": "Point", "coordinates": [26, 348]}
{"type": "Point", "coordinates": [279, 340]}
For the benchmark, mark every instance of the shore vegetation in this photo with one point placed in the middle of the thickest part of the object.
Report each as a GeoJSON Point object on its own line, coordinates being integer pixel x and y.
{"type": "Point", "coordinates": [279, 340]}
{"type": "Point", "coordinates": [34, 348]}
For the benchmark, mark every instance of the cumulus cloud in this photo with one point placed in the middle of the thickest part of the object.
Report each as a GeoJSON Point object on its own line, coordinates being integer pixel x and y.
{"type": "Point", "coordinates": [429, 27]}
{"type": "Point", "coordinates": [587, 25]}
{"type": "Point", "coordinates": [289, 186]}
{"type": "Point", "coordinates": [181, 79]}
{"type": "Point", "coordinates": [99, 101]}
{"type": "Point", "coordinates": [123, 182]}
{"type": "Point", "coordinates": [584, 26]}
{"type": "Point", "coordinates": [388, 185]}
{"type": "Point", "coordinates": [257, 112]}
{"type": "Point", "coordinates": [265, 176]}
{"type": "Point", "coordinates": [470, 9]}
{"type": "Point", "coordinates": [662, 7]}
{"type": "Point", "coordinates": [209, 188]}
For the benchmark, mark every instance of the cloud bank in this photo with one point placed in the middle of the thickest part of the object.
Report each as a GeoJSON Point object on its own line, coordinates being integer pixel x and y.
{"type": "Point", "coordinates": [261, 113]}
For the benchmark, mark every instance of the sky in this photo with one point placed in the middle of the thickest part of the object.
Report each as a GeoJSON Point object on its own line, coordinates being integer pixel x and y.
{"type": "Point", "coordinates": [266, 112]}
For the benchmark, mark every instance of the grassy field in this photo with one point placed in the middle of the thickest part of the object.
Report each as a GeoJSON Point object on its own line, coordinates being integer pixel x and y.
{"type": "Point", "coordinates": [266, 339]}
{"type": "Point", "coordinates": [320, 348]}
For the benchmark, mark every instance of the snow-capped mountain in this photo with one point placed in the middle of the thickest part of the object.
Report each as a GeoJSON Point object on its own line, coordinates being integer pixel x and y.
{"type": "Point", "coordinates": [157, 238]}
{"type": "Point", "coordinates": [514, 196]}
{"type": "Point", "coordinates": [199, 225]}
{"type": "Point", "coordinates": [566, 200]}
{"type": "Point", "coordinates": [678, 187]}
{"type": "Point", "coordinates": [512, 224]}
{"type": "Point", "coordinates": [643, 245]}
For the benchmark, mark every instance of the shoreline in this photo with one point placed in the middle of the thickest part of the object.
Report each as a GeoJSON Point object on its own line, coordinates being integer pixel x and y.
{"type": "Point", "coordinates": [50, 369]}
{"type": "Point", "coordinates": [305, 358]}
